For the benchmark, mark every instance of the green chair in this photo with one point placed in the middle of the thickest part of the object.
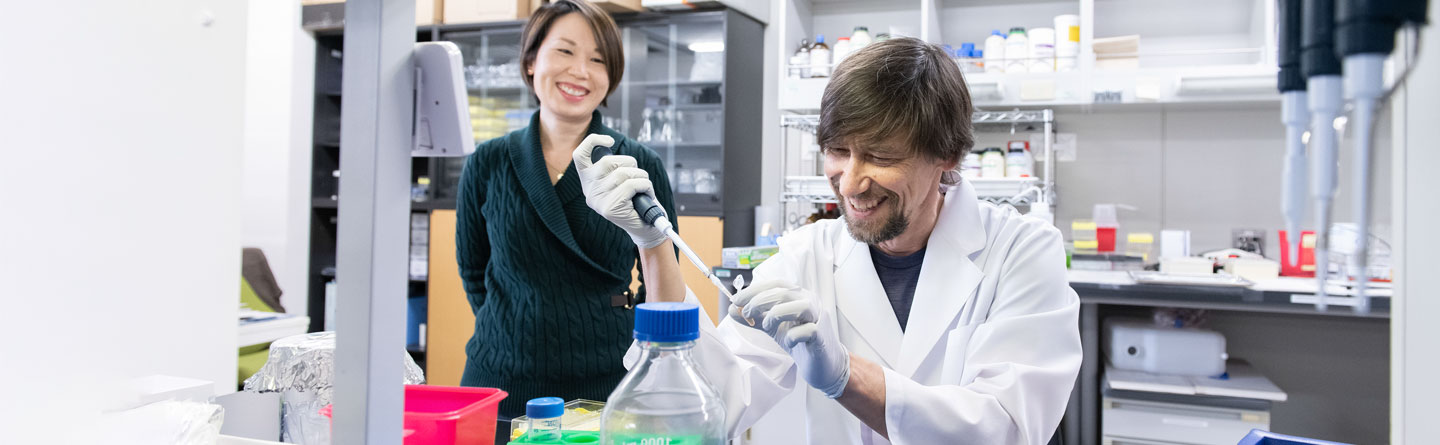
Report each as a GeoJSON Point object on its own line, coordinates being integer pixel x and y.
{"type": "Point", "coordinates": [255, 268]}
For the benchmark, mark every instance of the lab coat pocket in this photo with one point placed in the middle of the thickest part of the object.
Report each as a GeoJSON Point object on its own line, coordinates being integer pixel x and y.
{"type": "Point", "coordinates": [957, 344]}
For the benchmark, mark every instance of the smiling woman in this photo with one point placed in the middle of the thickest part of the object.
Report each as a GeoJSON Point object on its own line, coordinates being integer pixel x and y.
{"type": "Point", "coordinates": [574, 46]}
{"type": "Point", "coordinates": [547, 277]}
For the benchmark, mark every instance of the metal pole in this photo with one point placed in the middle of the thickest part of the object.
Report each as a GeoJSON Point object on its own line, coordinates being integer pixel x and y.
{"type": "Point", "coordinates": [373, 240]}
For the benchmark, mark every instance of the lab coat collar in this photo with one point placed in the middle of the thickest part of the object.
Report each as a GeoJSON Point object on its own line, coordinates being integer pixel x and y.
{"type": "Point", "coordinates": [548, 199]}
{"type": "Point", "coordinates": [947, 278]}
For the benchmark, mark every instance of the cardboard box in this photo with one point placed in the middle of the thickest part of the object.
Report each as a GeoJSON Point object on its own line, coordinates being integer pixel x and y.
{"type": "Point", "coordinates": [477, 11]}
{"type": "Point", "coordinates": [429, 12]}
{"type": "Point", "coordinates": [330, 14]}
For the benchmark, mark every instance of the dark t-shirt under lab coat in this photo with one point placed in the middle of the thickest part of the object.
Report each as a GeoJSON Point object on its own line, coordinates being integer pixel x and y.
{"type": "Point", "coordinates": [898, 275]}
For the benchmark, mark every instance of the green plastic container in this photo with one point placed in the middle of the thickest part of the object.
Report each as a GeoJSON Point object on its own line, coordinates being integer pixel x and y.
{"type": "Point", "coordinates": [566, 437]}
{"type": "Point", "coordinates": [593, 437]}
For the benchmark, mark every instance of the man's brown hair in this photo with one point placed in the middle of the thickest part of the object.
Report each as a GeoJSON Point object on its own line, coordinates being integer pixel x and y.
{"type": "Point", "coordinates": [607, 38]}
{"type": "Point", "coordinates": [901, 91]}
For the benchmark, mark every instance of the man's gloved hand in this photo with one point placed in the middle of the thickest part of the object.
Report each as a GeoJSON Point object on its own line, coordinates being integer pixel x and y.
{"type": "Point", "coordinates": [788, 314]}
{"type": "Point", "coordinates": [611, 184]}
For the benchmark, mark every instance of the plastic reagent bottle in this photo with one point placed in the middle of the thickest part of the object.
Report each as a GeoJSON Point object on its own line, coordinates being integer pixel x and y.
{"type": "Point", "coordinates": [860, 38]}
{"type": "Point", "coordinates": [820, 58]}
{"type": "Point", "coordinates": [664, 400]}
{"type": "Point", "coordinates": [544, 414]}
{"type": "Point", "coordinates": [995, 52]}
{"type": "Point", "coordinates": [800, 61]}
{"type": "Point", "coordinates": [1017, 51]}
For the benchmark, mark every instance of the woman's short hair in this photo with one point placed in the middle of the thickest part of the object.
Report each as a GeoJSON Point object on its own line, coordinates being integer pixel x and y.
{"type": "Point", "coordinates": [901, 91]}
{"type": "Point", "coordinates": [607, 37]}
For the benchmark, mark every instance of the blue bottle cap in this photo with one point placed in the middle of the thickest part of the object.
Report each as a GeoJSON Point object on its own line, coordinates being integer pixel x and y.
{"type": "Point", "coordinates": [820, 38]}
{"type": "Point", "coordinates": [667, 322]}
{"type": "Point", "coordinates": [545, 408]}
{"type": "Point", "coordinates": [967, 48]}
{"type": "Point", "coordinates": [978, 54]}
{"type": "Point", "coordinates": [997, 33]}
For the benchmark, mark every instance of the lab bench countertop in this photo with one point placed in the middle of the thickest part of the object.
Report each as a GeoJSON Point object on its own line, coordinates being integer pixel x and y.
{"type": "Point", "coordinates": [1282, 295]}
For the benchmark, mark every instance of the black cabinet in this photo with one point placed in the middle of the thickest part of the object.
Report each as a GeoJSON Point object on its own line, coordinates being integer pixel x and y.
{"type": "Point", "coordinates": [691, 92]}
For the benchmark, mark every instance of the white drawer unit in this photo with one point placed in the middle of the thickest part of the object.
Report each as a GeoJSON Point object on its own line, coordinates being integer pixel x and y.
{"type": "Point", "coordinates": [1126, 421]}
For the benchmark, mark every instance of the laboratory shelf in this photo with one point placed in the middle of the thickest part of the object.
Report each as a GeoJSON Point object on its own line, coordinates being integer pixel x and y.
{"type": "Point", "coordinates": [1013, 191]}
{"type": "Point", "coordinates": [1116, 288]}
{"type": "Point", "coordinates": [678, 83]}
{"type": "Point", "coordinates": [440, 204]}
{"type": "Point", "coordinates": [683, 145]}
{"type": "Point", "coordinates": [815, 189]}
{"type": "Point", "coordinates": [498, 90]}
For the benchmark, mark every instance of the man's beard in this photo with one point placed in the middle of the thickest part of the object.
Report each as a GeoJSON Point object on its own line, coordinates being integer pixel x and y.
{"type": "Point", "coordinates": [894, 225]}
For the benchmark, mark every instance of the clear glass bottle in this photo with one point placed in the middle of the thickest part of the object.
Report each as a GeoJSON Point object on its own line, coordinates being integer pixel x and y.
{"type": "Point", "coordinates": [664, 400]}
{"type": "Point", "coordinates": [646, 133]}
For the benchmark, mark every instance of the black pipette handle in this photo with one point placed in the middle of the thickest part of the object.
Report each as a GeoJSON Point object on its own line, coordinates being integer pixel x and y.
{"type": "Point", "coordinates": [647, 208]}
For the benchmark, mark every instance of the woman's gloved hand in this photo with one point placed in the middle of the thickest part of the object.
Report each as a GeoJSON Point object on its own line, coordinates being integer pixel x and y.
{"type": "Point", "coordinates": [787, 313]}
{"type": "Point", "coordinates": [609, 186]}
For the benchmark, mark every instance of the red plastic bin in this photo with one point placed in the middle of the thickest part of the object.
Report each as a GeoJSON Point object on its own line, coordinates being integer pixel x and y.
{"type": "Point", "coordinates": [445, 415]}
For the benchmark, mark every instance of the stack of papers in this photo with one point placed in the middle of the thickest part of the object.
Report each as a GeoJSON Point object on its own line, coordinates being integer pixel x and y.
{"type": "Point", "coordinates": [1240, 381]}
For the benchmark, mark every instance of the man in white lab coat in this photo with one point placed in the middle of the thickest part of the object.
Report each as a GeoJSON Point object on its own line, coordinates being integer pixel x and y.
{"type": "Point", "coordinates": [924, 316]}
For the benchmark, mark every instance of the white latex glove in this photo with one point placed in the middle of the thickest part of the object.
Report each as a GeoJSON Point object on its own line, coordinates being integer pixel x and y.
{"type": "Point", "coordinates": [787, 313]}
{"type": "Point", "coordinates": [610, 185]}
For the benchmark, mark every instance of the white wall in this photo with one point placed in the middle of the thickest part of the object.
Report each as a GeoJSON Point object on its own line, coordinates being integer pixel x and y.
{"type": "Point", "coordinates": [279, 87]}
{"type": "Point", "coordinates": [120, 150]}
{"type": "Point", "coordinates": [1207, 169]}
{"type": "Point", "coordinates": [1413, 330]}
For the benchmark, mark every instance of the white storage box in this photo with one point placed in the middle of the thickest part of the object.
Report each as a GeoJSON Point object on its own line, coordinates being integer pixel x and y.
{"type": "Point", "coordinates": [1128, 421]}
{"type": "Point", "coordinates": [1139, 345]}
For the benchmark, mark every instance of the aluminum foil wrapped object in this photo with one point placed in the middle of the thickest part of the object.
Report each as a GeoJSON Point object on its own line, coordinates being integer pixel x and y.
{"type": "Point", "coordinates": [302, 369]}
{"type": "Point", "coordinates": [177, 422]}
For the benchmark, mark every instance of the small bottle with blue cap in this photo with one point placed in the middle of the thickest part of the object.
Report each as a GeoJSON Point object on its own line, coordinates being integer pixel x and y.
{"type": "Point", "coordinates": [664, 399]}
{"type": "Point", "coordinates": [544, 414]}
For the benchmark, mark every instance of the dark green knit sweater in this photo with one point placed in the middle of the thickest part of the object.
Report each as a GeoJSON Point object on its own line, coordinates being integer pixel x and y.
{"type": "Point", "coordinates": [540, 269]}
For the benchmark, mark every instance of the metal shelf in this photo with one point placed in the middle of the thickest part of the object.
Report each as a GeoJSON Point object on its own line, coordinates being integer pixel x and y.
{"type": "Point", "coordinates": [1016, 116]}
{"type": "Point", "coordinates": [1014, 191]}
{"type": "Point", "coordinates": [811, 122]}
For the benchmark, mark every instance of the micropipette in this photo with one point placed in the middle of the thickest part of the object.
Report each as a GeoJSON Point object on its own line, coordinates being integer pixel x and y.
{"type": "Point", "coordinates": [1296, 116]}
{"type": "Point", "coordinates": [1321, 68]}
{"type": "Point", "coordinates": [653, 214]}
{"type": "Point", "coordinates": [1365, 35]}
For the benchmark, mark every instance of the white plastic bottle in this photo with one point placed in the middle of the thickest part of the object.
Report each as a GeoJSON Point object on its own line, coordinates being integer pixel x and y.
{"type": "Point", "coordinates": [995, 52]}
{"type": "Point", "coordinates": [992, 163]}
{"type": "Point", "coordinates": [1017, 164]}
{"type": "Point", "coordinates": [1018, 161]}
{"type": "Point", "coordinates": [1067, 42]}
{"type": "Point", "coordinates": [1017, 51]}
{"type": "Point", "coordinates": [664, 399]}
{"type": "Point", "coordinates": [820, 58]}
{"type": "Point", "coordinates": [800, 61]}
{"type": "Point", "coordinates": [970, 166]}
{"type": "Point", "coordinates": [1042, 50]}
{"type": "Point", "coordinates": [841, 49]}
{"type": "Point", "coordinates": [860, 38]}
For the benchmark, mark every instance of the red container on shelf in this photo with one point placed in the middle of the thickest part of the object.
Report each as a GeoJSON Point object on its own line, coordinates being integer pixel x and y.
{"type": "Point", "coordinates": [446, 415]}
{"type": "Point", "coordinates": [1105, 239]}
{"type": "Point", "coordinates": [1306, 266]}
